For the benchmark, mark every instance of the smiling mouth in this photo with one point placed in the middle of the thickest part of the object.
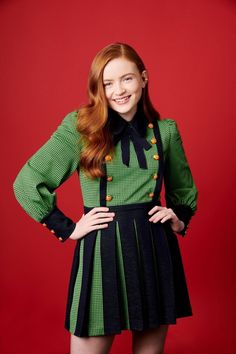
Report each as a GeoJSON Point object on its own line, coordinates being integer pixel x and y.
{"type": "Point", "coordinates": [122, 100]}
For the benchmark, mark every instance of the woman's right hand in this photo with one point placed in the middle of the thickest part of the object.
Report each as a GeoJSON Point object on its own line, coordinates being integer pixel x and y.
{"type": "Point", "coordinates": [96, 218]}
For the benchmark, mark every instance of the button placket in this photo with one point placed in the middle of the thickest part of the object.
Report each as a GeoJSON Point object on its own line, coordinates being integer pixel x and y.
{"type": "Point", "coordinates": [107, 178]}
{"type": "Point", "coordinates": [155, 140]}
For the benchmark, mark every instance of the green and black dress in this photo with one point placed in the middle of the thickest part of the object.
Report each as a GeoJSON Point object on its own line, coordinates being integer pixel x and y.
{"type": "Point", "coordinates": [129, 275]}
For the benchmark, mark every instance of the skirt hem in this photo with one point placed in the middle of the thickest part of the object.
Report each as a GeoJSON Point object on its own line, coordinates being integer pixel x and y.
{"type": "Point", "coordinates": [100, 332]}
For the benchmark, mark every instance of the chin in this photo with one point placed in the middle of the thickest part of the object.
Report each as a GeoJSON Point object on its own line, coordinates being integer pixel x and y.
{"type": "Point", "coordinates": [123, 109]}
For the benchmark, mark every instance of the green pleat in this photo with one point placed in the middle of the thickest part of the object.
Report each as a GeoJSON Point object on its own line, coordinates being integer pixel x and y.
{"type": "Point", "coordinates": [77, 289]}
{"type": "Point", "coordinates": [120, 265]}
{"type": "Point", "coordinates": [96, 319]}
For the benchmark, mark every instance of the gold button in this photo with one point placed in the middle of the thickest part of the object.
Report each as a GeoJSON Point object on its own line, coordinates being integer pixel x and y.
{"type": "Point", "coordinates": [109, 178]}
{"type": "Point", "coordinates": [155, 176]}
{"type": "Point", "coordinates": [108, 158]}
{"type": "Point", "coordinates": [52, 231]}
{"type": "Point", "coordinates": [153, 140]}
{"type": "Point", "coordinates": [109, 198]}
{"type": "Point", "coordinates": [150, 125]}
{"type": "Point", "coordinates": [60, 238]}
{"type": "Point", "coordinates": [151, 195]}
{"type": "Point", "coordinates": [44, 224]}
{"type": "Point", "coordinates": [156, 157]}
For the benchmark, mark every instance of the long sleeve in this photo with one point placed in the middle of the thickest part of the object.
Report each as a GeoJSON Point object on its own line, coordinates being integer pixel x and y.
{"type": "Point", "coordinates": [51, 165]}
{"type": "Point", "coordinates": [180, 190]}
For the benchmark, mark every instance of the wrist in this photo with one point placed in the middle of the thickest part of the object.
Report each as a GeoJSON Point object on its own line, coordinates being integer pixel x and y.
{"type": "Point", "coordinates": [184, 213]}
{"type": "Point", "coordinates": [178, 226]}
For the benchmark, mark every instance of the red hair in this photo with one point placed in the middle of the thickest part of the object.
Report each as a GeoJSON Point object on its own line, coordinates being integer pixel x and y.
{"type": "Point", "coordinates": [92, 117]}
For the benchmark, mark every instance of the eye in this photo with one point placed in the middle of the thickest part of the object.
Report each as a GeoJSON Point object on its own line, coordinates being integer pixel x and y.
{"type": "Point", "coordinates": [107, 84]}
{"type": "Point", "coordinates": [128, 78]}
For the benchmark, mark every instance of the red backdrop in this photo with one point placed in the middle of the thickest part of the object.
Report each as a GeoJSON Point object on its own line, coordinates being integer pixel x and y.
{"type": "Point", "coordinates": [189, 50]}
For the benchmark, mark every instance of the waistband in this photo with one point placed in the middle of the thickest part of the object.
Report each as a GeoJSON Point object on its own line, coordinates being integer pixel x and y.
{"type": "Point", "coordinates": [124, 207]}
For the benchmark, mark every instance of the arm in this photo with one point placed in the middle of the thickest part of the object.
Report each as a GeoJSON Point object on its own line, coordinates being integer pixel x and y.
{"type": "Point", "coordinates": [35, 184]}
{"type": "Point", "coordinates": [180, 189]}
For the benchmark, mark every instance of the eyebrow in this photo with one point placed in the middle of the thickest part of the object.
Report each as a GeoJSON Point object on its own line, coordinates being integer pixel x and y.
{"type": "Point", "coordinates": [121, 76]}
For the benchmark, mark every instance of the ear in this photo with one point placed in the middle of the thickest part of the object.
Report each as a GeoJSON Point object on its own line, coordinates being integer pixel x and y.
{"type": "Point", "coordinates": [144, 77]}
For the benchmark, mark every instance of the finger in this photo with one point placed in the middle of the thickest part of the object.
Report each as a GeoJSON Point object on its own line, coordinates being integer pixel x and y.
{"type": "Point", "coordinates": [97, 209]}
{"type": "Point", "coordinates": [103, 215]}
{"type": "Point", "coordinates": [167, 217]}
{"type": "Point", "coordinates": [160, 214]}
{"type": "Point", "coordinates": [155, 208]}
{"type": "Point", "coordinates": [97, 227]}
{"type": "Point", "coordinates": [161, 218]}
{"type": "Point", "coordinates": [100, 221]}
{"type": "Point", "coordinates": [98, 216]}
{"type": "Point", "coordinates": [155, 220]}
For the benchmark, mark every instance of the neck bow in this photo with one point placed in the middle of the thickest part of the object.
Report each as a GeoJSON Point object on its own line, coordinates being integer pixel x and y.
{"type": "Point", "coordinates": [134, 131]}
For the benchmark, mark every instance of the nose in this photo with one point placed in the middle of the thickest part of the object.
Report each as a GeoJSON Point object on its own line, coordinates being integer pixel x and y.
{"type": "Point", "coordinates": [119, 89]}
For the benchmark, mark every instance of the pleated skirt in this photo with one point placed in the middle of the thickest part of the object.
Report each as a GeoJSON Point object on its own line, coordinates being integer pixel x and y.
{"type": "Point", "coordinates": [128, 276]}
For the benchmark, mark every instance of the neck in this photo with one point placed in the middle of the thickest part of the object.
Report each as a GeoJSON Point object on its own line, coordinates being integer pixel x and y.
{"type": "Point", "coordinates": [129, 116]}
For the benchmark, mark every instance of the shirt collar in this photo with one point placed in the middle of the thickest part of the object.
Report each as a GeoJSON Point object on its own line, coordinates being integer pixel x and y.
{"type": "Point", "coordinates": [118, 125]}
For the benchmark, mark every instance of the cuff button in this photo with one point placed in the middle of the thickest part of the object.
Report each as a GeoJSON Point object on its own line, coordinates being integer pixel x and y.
{"type": "Point", "coordinates": [151, 195]}
{"type": "Point", "coordinates": [60, 238]}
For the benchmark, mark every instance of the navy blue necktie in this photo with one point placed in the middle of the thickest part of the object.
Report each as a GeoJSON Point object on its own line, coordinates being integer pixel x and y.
{"type": "Point", "coordinates": [134, 131]}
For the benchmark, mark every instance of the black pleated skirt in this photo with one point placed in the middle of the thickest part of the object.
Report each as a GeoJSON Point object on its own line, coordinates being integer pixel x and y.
{"type": "Point", "coordinates": [127, 276]}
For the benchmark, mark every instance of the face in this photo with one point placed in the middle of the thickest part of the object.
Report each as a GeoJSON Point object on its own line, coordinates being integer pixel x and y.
{"type": "Point", "coordinates": [123, 86]}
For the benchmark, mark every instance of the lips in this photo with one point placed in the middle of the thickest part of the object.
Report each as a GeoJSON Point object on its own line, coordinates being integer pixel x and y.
{"type": "Point", "coordinates": [122, 99]}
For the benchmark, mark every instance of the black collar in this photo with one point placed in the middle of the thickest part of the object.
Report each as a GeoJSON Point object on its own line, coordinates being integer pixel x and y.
{"type": "Point", "coordinates": [118, 125]}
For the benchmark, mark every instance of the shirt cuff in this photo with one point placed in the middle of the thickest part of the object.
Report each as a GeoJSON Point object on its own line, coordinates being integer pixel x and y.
{"type": "Point", "coordinates": [184, 213]}
{"type": "Point", "coordinates": [59, 224]}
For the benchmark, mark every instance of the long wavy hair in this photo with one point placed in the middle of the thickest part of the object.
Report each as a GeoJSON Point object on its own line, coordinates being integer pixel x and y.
{"type": "Point", "coordinates": [92, 117]}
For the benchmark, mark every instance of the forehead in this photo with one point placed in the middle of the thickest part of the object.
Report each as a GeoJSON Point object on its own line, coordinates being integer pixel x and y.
{"type": "Point", "coordinates": [118, 67]}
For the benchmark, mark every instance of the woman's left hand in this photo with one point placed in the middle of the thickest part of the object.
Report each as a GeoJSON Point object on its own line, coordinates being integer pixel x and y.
{"type": "Point", "coordinates": [163, 214]}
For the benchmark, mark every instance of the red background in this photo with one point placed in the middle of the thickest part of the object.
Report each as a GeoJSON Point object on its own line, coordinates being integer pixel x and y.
{"type": "Point", "coordinates": [189, 50]}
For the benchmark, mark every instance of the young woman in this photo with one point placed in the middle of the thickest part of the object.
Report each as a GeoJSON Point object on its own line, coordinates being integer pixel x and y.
{"type": "Point", "coordinates": [127, 270]}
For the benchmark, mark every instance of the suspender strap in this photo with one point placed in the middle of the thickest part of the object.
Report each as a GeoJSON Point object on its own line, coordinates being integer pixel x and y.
{"type": "Point", "coordinates": [160, 172]}
{"type": "Point", "coordinates": [103, 186]}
